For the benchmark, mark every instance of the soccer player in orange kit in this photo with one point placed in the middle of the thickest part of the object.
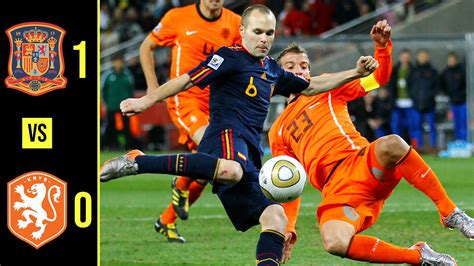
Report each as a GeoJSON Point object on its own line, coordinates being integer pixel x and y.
{"type": "Point", "coordinates": [355, 176]}
{"type": "Point", "coordinates": [194, 32]}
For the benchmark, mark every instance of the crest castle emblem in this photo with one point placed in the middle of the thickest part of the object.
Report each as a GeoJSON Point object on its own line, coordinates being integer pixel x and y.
{"type": "Point", "coordinates": [36, 62]}
{"type": "Point", "coordinates": [37, 207]}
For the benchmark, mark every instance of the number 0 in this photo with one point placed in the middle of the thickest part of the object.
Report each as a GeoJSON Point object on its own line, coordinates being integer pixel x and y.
{"type": "Point", "coordinates": [82, 58]}
{"type": "Point", "coordinates": [88, 209]}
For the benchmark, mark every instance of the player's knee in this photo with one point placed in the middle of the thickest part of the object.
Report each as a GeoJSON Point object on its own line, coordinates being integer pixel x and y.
{"type": "Point", "coordinates": [274, 218]}
{"type": "Point", "coordinates": [392, 147]}
{"type": "Point", "coordinates": [336, 242]}
{"type": "Point", "coordinates": [229, 171]}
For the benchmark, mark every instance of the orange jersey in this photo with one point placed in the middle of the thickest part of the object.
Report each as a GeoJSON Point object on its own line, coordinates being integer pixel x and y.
{"type": "Point", "coordinates": [318, 130]}
{"type": "Point", "coordinates": [193, 38]}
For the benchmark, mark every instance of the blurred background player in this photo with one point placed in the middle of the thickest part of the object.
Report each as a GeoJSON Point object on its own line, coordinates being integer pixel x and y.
{"type": "Point", "coordinates": [423, 86]}
{"type": "Point", "coordinates": [453, 83]}
{"type": "Point", "coordinates": [403, 108]}
{"type": "Point", "coordinates": [355, 176]}
{"type": "Point", "coordinates": [117, 85]}
{"type": "Point", "coordinates": [194, 32]}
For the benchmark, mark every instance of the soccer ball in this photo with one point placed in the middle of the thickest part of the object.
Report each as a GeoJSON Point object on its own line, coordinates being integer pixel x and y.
{"type": "Point", "coordinates": [282, 178]}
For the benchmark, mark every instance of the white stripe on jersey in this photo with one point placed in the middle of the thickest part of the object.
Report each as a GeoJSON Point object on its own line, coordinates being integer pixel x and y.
{"type": "Point", "coordinates": [178, 58]}
{"type": "Point", "coordinates": [339, 125]}
{"type": "Point", "coordinates": [176, 100]}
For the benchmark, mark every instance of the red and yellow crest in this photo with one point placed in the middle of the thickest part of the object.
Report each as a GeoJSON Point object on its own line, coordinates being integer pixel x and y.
{"type": "Point", "coordinates": [36, 62]}
{"type": "Point", "coordinates": [37, 207]}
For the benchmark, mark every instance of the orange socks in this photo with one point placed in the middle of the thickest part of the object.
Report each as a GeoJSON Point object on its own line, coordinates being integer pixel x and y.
{"type": "Point", "coordinates": [371, 249]}
{"type": "Point", "coordinates": [182, 183]}
{"type": "Point", "coordinates": [414, 169]}
{"type": "Point", "coordinates": [169, 215]}
{"type": "Point", "coordinates": [195, 190]}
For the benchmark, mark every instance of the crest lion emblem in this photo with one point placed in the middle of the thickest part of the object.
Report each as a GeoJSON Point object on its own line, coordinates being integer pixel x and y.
{"type": "Point", "coordinates": [38, 214]}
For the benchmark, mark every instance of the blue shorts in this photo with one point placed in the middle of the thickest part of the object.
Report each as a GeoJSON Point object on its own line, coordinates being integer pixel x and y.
{"type": "Point", "coordinates": [244, 201]}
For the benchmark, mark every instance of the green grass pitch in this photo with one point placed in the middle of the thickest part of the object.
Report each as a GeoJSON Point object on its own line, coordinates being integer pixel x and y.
{"type": "Point", "coordinates": [130, 206]}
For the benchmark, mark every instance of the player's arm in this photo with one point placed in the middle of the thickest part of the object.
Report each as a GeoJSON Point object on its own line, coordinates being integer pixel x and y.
{"type": "Point", "coordinates": [365, 66]}
{"type": "Point", "coordinates": [380, 35]}
{"type": "Point", "coordinates": [164, 34]}
{"type": "Point", "coordinates": [131, 106]}
{"type": "Point", "coordinates": [147, 61]}
{"type": "Point", "coordinates": [292, 210]}
{"type": "Point", "coordinates": [217, 64]}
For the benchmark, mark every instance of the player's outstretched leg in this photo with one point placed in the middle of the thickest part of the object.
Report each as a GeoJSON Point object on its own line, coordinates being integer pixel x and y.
{"type": "Point", "coordinates": [194, 165]}
{"type": "Point", "coordinates": [339, 238]}
{"type": "Point", "coordinates": [415, 170]}
{"type": "Point", "coordinates": [340, 227]}
{"type": "Point", "coordinates": [431, 257]}
{"type": "Point", "coordinates": [393, 151]}
{"type": "Point", "coordinates": [419, 174]}
{"type": "Point", "coordinates": [336, 241]}
{"type": "Point", "coordinates": [120, 166]}
{"type": "Point", "coordinates": [460, 220]}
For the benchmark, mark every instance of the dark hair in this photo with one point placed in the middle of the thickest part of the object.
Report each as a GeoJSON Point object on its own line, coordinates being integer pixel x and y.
{"type": "Point", "coordinates": [291, 48]}
{"type": "Point", "coordinates": [423, 50]}
{"type": "Point", "coordinates": [405, 50]}
{"type": "Point", "coordinates": [117, 56]}
{"type": "Point", "coordinates": [261, 8]}
{"type": "Point", "coordinates": [453, 54]}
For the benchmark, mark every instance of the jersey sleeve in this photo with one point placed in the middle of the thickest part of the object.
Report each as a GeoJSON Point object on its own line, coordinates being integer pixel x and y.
{"type": "Point", "coordinates": [289, 83]}
{"type": "Point", "coordinates": [381, 76]}
{"type": "Point", "coordinates": [292, 210]}
{"type": "Point", "coordinates": [216, 65]}
{"type": "Point", "coordinates": [276, 142]}
{"type": "Point", "coordinates": [279, 148]}
{"type": "Point", "coordinates": [165, 33]}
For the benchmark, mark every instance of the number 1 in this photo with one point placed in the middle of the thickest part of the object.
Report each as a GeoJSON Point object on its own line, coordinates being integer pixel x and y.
{"type": "Point", "coordinates": [82, 58]}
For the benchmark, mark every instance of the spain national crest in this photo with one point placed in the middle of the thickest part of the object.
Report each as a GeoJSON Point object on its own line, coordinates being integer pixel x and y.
{"type": "Point", "coordinates": [37, 207]}
{"type": "Point", "coordinates": [36, 62]}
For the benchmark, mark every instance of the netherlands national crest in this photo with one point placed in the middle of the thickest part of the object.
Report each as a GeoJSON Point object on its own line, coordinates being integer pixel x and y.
{"type": "Point", "coordinates": [36, 62]}
{"type": "Point", "coordinates": [37, 207]}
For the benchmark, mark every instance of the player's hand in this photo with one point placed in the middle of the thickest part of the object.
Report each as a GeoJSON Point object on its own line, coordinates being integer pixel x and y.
{"type": "Point", "coordinates": [290, 241]}
{"type": "Point", "coordinates": [366, 65]}
{"type": "Point", "coordinates": [380, 33]}
{"type": "Point", "coordinates": [133, 106]}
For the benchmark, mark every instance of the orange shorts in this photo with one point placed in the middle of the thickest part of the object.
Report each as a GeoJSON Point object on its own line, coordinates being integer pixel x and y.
{"type": "Point", "coordinates": [188, 115]}
{"type": "Point", "coordinates": [357, 189]}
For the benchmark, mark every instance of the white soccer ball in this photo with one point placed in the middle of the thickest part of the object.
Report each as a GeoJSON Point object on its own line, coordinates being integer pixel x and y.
{"type": "Point", "coordinates": [282, 178]}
